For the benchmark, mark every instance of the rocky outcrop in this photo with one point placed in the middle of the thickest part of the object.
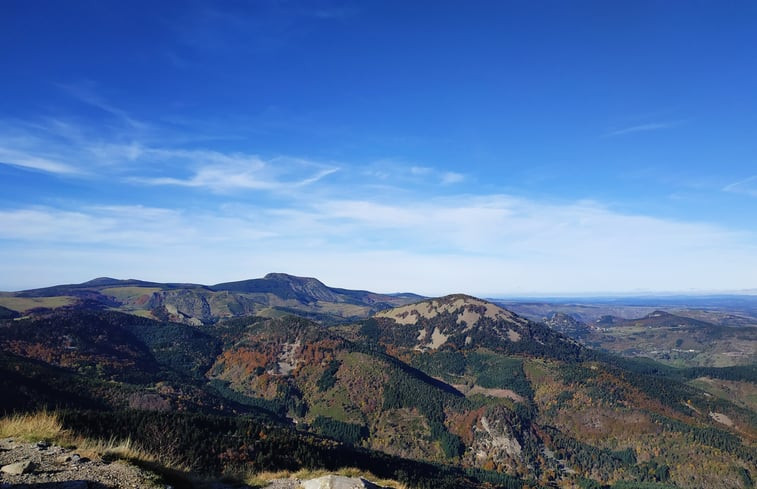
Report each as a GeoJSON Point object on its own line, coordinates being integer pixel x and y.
{"type": "Point", "coordinates": [182, 306]}
{"type": "Point", "coordinates": [567, 325]}
{"type": "Point", "coordinates": [495, 442]}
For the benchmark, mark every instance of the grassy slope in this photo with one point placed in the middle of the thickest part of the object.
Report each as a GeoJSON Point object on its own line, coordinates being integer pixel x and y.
{"type": "Point", "coordinates": [23, 304]}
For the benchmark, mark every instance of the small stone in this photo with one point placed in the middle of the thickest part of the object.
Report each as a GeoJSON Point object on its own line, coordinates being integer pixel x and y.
{"type": "Point", "coordinates": [76, 458]}
{"type": "Point", "coordinates": [65, 458]}
{"type": "Point", "coordinates": [18, 468]}
{"type": "Point", "coordinates": [42, 445]}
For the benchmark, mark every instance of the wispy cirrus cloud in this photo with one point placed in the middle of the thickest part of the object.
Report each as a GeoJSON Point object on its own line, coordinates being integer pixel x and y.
{"type": "Point", "coordinates": [222, 172]}
{"type": "Point", "coordinates": [647, 127]}
{"type": "Point", "coordinates": [399, 172]}
{"type": "Point", "coordinates": [86, 92]}
{"type": "Point", "coordinates": [63, 145]}
{"type": "Point", "coordinates": [137, 157]}
{"type": "Point", "coordinates": [32, 161]}
{"type": "Point", "coordinates": [747, 186]}
{"type": "Point", "coordinates": [129, 151]}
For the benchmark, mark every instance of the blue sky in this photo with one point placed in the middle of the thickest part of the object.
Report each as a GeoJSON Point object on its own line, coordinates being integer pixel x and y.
{"type": "Point", "coordinates": [492, 148]}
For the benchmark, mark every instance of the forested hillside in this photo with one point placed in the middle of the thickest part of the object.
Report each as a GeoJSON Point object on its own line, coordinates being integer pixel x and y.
{"type": "Point", "coordinates": [452, 391]}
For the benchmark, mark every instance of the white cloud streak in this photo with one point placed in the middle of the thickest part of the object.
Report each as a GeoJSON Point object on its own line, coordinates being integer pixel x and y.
{"type": "Point", "coordinates": [482, 245]}
{"type": "Point", "coordinates": [399, 172]}
{"type": "Point", "coordinates": [34, 162]}
{"type": "Point", "coordinates": [86, 93]}
{"type": "Point", "coordinates": [227, 172]}
{"type": "Point", "coordinates": [747, 186]}
{"type": "Point", "coordinates": [652, 126]}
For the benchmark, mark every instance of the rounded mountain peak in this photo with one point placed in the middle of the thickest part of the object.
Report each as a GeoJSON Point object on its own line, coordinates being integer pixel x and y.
{"type": "Point", "coordinates": [468, 309]}
{"type": "Point", "coordinates": [286, 277]}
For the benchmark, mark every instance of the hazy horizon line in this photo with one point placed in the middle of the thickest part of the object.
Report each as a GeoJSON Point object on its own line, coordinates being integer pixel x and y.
{"type": "Point", "coordinates": [496, 296]}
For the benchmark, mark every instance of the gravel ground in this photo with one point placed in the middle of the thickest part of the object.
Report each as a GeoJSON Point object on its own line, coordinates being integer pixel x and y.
{"type": "Point", "coordinates": [284, 484]}
{"type": "Point", "coordinates": [55, 467]}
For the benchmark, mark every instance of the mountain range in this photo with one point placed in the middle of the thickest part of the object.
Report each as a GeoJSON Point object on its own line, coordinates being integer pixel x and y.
{"type": "Point", "coordinates": [454, 391]}
{"type": "Point", "coordinates": [274, 295]}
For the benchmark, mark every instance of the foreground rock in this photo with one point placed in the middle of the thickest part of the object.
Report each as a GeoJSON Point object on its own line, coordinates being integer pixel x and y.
{"type": "Point", "coordinates": [338, 482]}
{"type": "Point", "coordinates": [325, 482]}
{"type": "Point", "coordinates": [18, 468]}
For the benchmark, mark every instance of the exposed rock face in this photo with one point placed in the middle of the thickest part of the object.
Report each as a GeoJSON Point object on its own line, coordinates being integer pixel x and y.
{"type": "Point", "coordinates": [495, 442]}
{"type": "Point", "coordinates": [500, 438]}
{"type": "Point", "coordinates": [183, 305]}
{"type": "Point", "coordinates": [287, 359]}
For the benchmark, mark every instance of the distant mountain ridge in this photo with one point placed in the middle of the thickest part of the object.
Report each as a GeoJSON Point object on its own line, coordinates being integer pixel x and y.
{"type": "Point", "coordinates": [677, 340]}
{"type": "Point", "coordinates": [306, 289]}
{"type": "Point", "coordinates": [95, 284]}
{"type": "Point", "coordinates": [274, 295]}
{"type": "Point", "coordinates": [657, 319]}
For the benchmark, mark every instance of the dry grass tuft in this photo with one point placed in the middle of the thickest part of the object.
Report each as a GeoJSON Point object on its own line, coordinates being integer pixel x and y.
{"type": "Point", "coordinates": [38, 426]}
{"type": "Point", "coordinates": [113, 449]}
{"type": "Point", "coordinates": [45, 425]}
